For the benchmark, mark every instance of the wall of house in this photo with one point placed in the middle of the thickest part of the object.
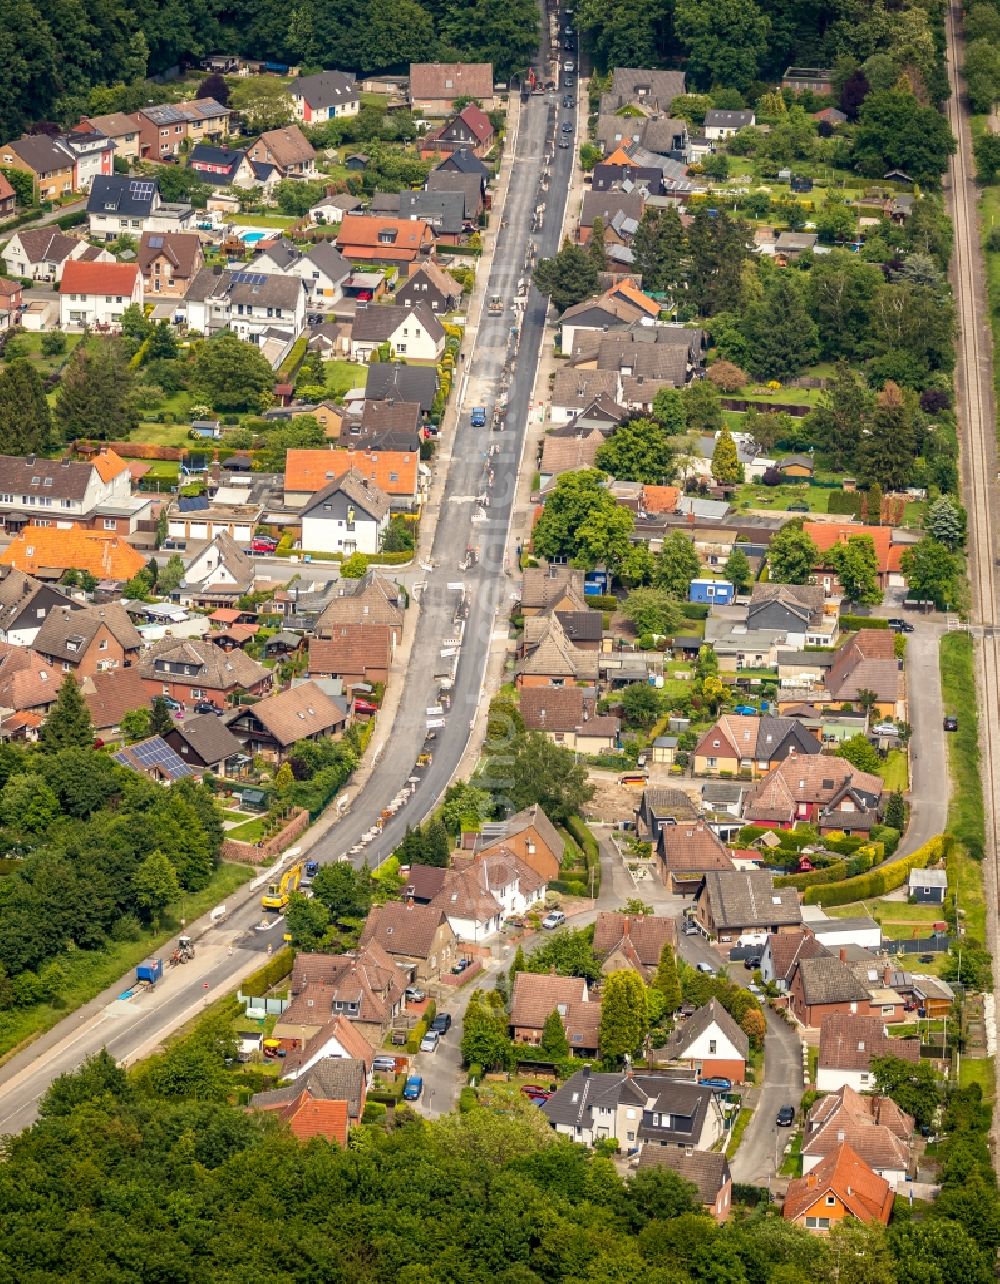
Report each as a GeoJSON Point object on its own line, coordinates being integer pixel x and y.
{"type": "Point", "coordinates": [534, 852]}
{"type": "Point", "coordinates": [829, 1079]}
{"type": "Point", "coordinates": [96, 309]}
{"type": "Point", "coordinates": [333, 535]}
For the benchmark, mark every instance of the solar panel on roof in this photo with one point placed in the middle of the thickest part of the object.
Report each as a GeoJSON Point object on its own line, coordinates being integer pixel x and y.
{"type": "Point", "coordinates": [156, 242]}
{"type": "Point", "coordinates": [249, 278]}
{"type": "Point", "coordinates": [155, 753]}
{"type": "Point", "coordinates": [140, 189]}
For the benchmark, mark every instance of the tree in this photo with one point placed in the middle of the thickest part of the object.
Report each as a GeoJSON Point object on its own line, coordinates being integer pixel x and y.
{"type": "Point", "coordinates": [231, 374]}
{"type": "Point", "coordinates": [25, 418]}
{"type": "Point", "coordinates": [842, 414]}
{"type": "Point", "coordinates": [945, 522]}
{"type": "Point", "coordinates": [652, 611]}
{"type": "Point", "coordinates": [28, 806]}
{"type": "Point", "coordinates": [95, 393]}
{"type": "Point", "coordinates": [155, 885]}
{"type": "Point", "coordinates": [160, 719]}
{"type": "Point", "coordinates": [873, 504]}
{"type": "Point", "coordinates": [23, 184]}
{"type": "Point", "coordinates": [582, 521]}
{"type": "Point", "coordinates": [641, 704]}
{"type": "Point", "coordinates": [913, 1086]}
{"type": "Point", "coordinates": [485, 1041]}
{"type": "Point", "coordinates": [136, 725]}
{"type": "Point", "coordinates": [839, 290]}
{"type": "Point", "coordinates": [933, 573]}
{"type": "Point", "coordinates": [214, 86]}
{"type": "Point", "coordinates": [676, 565]}
{"type": "Point", "coordinates": [665, 978]}
{"type": "Point", "coordinates": [895, 811]}
{"type": "Point", "coordinates": [783, 338]}
{"type": "Point", "coordinates": [860, 753]}
{"type": "Point", "coordinates": [658, 249]}
{"type": "Point", "coordinates": [669, 411]}
{"type": "Point", "coordinates": [345, 891]}
{"type": "Point", "coordinates": [886, 455]}
{"type": "Point", "coordinates": [754, 1027]}
{"type": "Point", "coordinates": [638, 450]}
{"type": "Point", "coordinates": [68, 723]}
{"type": "Point", "coordinates": [307, 920]}
{"type": "Point", "coordinates": [726, 466]}
{"type": "Point", "coordinates": [465, 805]}
{"type": "Point", "coordinates": [791, 555]}
{"type": "Point", "coordinates": [857, 568]}
{"type": "Point", "coordinates": [982, 74]}
{"type": "Point", "coordinates": [569, 278]}
{"type": "Point", "coordinates": [170, 575]}
{"type": "Point", "coordinates": [595, 245]}
{"type": "Point", "coordinates": [702, 406]}
{"type": "Point", "coordinates": [139, 587]}
{"type": "Point", "coordinates": [896, 132]}
{"type": "Point", "coordinates": [726, 376]}
{"type": "Point", "coordinates": [725, 40]}
{"type": "Point", "coordinates": [738, 570]}
{"type": "Point", "coordinates": [554, 1045]}
{"type": "Point", "coordinates": [541, 772]}
{"type": "Point", "coordinates": [624, 1016]}
{"type": "Point", "coordinates": [986, 149]}
{"type": "Point", "coordinates": [262, 102]}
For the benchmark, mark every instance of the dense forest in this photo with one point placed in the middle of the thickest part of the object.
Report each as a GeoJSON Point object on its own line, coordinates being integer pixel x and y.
{"type": "Point", "coordinates": [152, 1176]}
{"type": "Point", "coordinates": [56, 54]}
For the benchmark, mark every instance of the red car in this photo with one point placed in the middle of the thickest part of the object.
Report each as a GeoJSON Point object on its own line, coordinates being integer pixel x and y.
{"type": "Point", "coordinates": [535, 1093]}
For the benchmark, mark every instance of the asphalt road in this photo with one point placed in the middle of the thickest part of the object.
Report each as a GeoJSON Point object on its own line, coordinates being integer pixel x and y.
{"type": "Point", "coordinates": [759, 1154]}
{"type": "Point", "coordinates": [131, 1029]}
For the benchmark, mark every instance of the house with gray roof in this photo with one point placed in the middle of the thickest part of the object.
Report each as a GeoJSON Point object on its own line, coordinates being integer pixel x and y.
{"type": "Point", "coordinates": [706, 1170]}
{"type": "Point", "coordinates": [414, 333]}
{"type": "Point", "coordinates": [745, 903]}
{"type": "Point", "coordinates": [205, 743]}
{"type": "Point", "coordinates": [635, 1110]}
{"type": "Point", "coordinates": [251, 304]}
{"type": "Point", "coordinates": [826, 986]}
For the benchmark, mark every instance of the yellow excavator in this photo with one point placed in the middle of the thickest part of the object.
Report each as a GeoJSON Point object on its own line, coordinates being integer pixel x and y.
{"type": "Point", "coordinates": [277, 895]}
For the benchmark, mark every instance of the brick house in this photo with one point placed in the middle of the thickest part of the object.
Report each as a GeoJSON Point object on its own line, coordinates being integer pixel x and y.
{"type": "Point", "coordinates": [711, 1044]}
{"type": "Point", "coordinates": [88, 640]}
{"type": "Point", "coordinates": [326, 1102]}
{"type": "Point", "coordinates": [536, 996]}
{"type": "Point", "coordinates": [632, 940]}
{"type": "Point", "coordinates": [418, 938]}
{"type": "Point", "coordinates": [169, 262]}
{"type": "Point", "coordinates": [817, 789]}
{"type": "Point", "coordinates": [193, 669]}
{"type": "Point", "coordinates": [706, 1170]}
{"type": "Point", "coordinates": [823, 987]}
{"type": "Point", "coordinates": [740, 743]}
{"type": "Point", "coordinates": [841, 1186]}
{"type": "Point", "coordinates": [355, 653]}
{"type": "Point", "coordinates": [745, 903]}
{"type": "Point", "coordinates": [686, 853]}
{"type": "Point", "coordinates": [531, 836]}
{"type": "Point", "coordinates": [276, 724]}
{"type": "Point", "coordinates": [434, 86]}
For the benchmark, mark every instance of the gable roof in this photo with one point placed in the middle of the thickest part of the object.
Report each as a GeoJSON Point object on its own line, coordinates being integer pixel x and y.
{"type": "Point", "coordinates": [350, 649]}
{"type": "Point", "coordinates": [46, 244]}
{"type": "Point", "coordinates": [40, 548]}
{"type": "Point", "coordinates": [748, 898]}
{"type": "Point", "coordinates": [447, 81]}
{"type": "Point", "coordinates": [380, 323]}
{"type": "Point", "coordinates": [874, 1127]}
{"type": "Point", "coordinates": [365, 231]}
{"type": "Point", "coordinates": [744, 736]}
{"type": "Point", "coordinates": [113, 693]}
{"type": "Point", "coordinates": [825, 979]}
{"type": "Point", "coordinates": [536, 818]}
{"type": "Point", "coordinates": [301, 711]}
{"type": "Point", "coordinates": [372, 600]}
{"type": "Point", "coordinates": [67, 631]}
{"type": "Point", "coordinates": [288, 145]}
{"type": "Point", "coordinates": [866, 661]}
{"type": "Point", "coordinates": [543, 586]}
{"type": "Point", "coordinates": [80, 277]}
{"type": "Point", "coordinates": [209, 737]}
{"type": "Point", "coordinates": [563, 454]}
{"type": "Point", "coordinates": [403, 383]}
{"type": "Point", "coordinates": [708, 1015]}
{"type": "Point", "coordinates": [463, 160]}
{"type": "Point", "coordinates": [642, 86]}
{"type": "Point", "coordinates": [367, 978]}
{"type": "Point", "coordinates": [40, 153]}
{"type": "Point", "coordinates": [357, 490]}
{"type": "Point", "coordinates": [828, 535]}
{"type": "Point", "coordinates": [325, 89]}
{"type": "Point", "coordinates": [182, 249]}
{"type": "Point", "coordinates": [118, 194]}
{"type": "Point", "coordinates": [552, 708]}
{"type": "Point", "coordinates": [818, 780]}
{"type": "Point", "coordinates": [803, 600]}
{"type": "Point", "coordinates": [708, 1171]}
{"type": "Point", "coordinates": [536, 996]}
{"type": "Point", "coordinates": [842, 1173]}
{"type": "Point", "coordinates": [26, 680]}
{"type": "Point", "coordinates": [687, 849]}
{"type": "Point", "coordinates": [213, 667]}
{"type": "Point", "coordinates": [408, 930]}
{"type": "Point", "coordinates": [556, 656]}
{"type": "Point", "coordinates": [787, 948]}
{"type": "Point", "coordinates": [850, 1043]}
{"type": "Point", "coordinates": [640, 936]}
{"type": "Point", "coordinates": [436, 278]}
{"type": "Point", "coordinates": [153, 757]}
{"type": "Point", "coordinates": [392, 471]}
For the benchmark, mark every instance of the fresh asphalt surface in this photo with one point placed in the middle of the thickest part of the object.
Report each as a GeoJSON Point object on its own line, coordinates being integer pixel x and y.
{"type": "Point", "coordinates": [129, 1030]}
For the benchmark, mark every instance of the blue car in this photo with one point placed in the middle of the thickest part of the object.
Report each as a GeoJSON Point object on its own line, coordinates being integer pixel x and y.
{"type": "Point", "coordinates": [717, 1085]}
{"type": "Point", "coordinates": [413, 1087]}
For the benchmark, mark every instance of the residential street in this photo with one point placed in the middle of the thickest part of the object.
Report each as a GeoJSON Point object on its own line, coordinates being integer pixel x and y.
{"type": "Point", "coordinates": [928, 752]}
{"type": "Point", "coordinates": [759, 1155]}
{"type": "Point", "coordinates": [129, 1030]}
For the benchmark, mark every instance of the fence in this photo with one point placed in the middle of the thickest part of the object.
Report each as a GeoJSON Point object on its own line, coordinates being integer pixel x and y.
{"type": "Point", "coordinates": [796, 410]}
{"type": "Point", "coordinates": [257, 853]}
{"type": "Point", "coordinates": [259, 1003]}
{"type": "Point", "coordinates": [925, 945]}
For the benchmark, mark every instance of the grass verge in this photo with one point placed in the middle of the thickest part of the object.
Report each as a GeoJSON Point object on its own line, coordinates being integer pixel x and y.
{"type": "Point", "coordinates": [965, 808]}
{"type": "Point", "coordinates": [978, 1070]}
{"type": "Point", "coordinates": [88, 972]}
{"type": "Point", "coordinates": [895, 776]}
{"type": "Point", "coordinates": [739, 1128]}
{"type": "Point", "coordinates": [791, 1164]}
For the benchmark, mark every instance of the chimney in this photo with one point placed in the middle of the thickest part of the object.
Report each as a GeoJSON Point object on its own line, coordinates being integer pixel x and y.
{"type": "Point", "coordinates": [843, 955]}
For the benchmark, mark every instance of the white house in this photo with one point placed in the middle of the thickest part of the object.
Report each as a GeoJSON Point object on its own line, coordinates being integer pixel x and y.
{"type": "Point", "coordinates": [350, 515]}
{"type": "Point", "coordinates": [477, 899]}
{"type": "Point", "coordinates": [118, 205]}
{"type": "Point", "coordinates": [847, 1045]}
{"type": "Point", "coordinates": [635, 1109]}
{"type": "Point", "coordinates": [96, 294]}
{"type": "Point", "coordinates": [253, 305]}
{"type": "Point", "coordinates": [322, 269]}
{"type": "Point", "coordinates": [327, 95]}
{"type": "Point", "coordinates": [414, 333]}
{"type": "Point", "coordinates": [331, 209]}
{"type": "Point", "coordinates": [93, 152]}
{"type": "Point", "coordinates": [41, 253]}
{"type": "Point", "coordinates": [220, 566]}
{"type": "Point", "coordinates": [723, 124]}
{"type": "Point", "coordinates": [711, 1044]}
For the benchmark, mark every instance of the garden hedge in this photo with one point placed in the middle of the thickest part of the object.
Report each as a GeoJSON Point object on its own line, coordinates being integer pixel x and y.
{"type": "Point", "coordinates": [851, 623]}
{"type": "Point", "coordinates": [885, 878]}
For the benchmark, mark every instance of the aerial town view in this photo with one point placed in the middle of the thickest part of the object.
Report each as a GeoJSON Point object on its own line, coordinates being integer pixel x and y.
{"type": "Point", "coordinates": [499, 642]}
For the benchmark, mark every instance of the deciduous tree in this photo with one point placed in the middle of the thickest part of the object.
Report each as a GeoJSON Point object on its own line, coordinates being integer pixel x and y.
{"type": "Point", "coordinates": [569, 278]}
{"type": "Point", "coordinates": [624, 1016]}
{"type": "Point", "coordinates": [676, 565]}
{"type": "Point", "coordinates": [726, 466]}
{"type": "Point", "coordinates": [857, 569]}
{"type": "Point", "coordinates": [791, 555]}
{"type": "Point", "coordinates": [638, 450]}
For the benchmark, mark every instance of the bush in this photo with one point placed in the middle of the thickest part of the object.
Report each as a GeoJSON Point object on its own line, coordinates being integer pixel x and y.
{"type": "Point", "coordinates": [845, 502]}
{"type": "Point", "coordinates": [602, 602]}
{"type": "Point", "coordinates": [884, 879]}
{"type": "Point", "coordinates": [467, 1100]}
{"type": "Point", "coordinates": [415, 1035]}
{"type": "Point", "coordinates": [273, 971]}
{"type": "Point", "coordinates": [72, 220]}
{"type": "Point", "coordinates": [374, 1112]}
{"type": "Point", "coordinates": [695, 610]}
{"type": "Point", "coordinates": [851, 623]}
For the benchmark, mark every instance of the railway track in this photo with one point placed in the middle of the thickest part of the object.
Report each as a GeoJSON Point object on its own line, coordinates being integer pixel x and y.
{"type": "Point", "coordinates": [978, 444]}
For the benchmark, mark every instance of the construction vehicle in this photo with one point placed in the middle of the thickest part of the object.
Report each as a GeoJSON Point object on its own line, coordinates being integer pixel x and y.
{"type": "Point", "coordinates": [184, 952]}
{"type": "Point", "coordinates": [149, 971]}
{"type": "Point", "coordinates": [277, 895]}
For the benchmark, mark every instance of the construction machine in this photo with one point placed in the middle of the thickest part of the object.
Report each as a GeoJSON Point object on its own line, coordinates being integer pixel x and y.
{"type": "Point", "coordinates": [277, 895]}
{"type": "Point", "coordinates": [184, 952]}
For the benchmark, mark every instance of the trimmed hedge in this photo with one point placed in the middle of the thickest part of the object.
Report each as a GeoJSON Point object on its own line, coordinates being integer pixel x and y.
{"type": "Point", "coordinates": [835, 873]}
{"type": "Point", "coordinates": [885, 878]}
{"type": "Point", "coordinates": [601, 601]}
{"type": "Point", "coordinates": [273, 971]}
{"type": "Point", "coordinates": [695, 610]}
{"type": "Point", "coordinates": [851, 623]}
{"type": "Point", "coordinates": [286, 371]}
{"type": "Point", "coordinates": [72, 220]}
{"type": "Point", "coordinates": [844, 502]}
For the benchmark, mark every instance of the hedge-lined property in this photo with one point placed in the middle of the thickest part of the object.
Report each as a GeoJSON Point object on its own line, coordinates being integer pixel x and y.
{"type": "Point", "coordinates": [885, 878]}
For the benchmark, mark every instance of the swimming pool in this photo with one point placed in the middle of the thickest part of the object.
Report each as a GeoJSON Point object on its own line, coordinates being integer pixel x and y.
{"type": "Point", "coordinates": [251, 238]}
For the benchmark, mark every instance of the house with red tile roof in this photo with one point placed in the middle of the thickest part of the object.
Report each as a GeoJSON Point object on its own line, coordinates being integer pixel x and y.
{"type": "Point", "coordinates": [537, 995]}
{"type": "Point", "coordinates": [369, 238]}
{"type": "Point", "coordinates": [11, 297]}
{"type": "Point", "coordinates": [818, 790]}
{"type": "Point", "coordinates": [325, 1102]}
{"type": "Point", "coordinates": [867, 661]}
{"type": "Point", "coordinates": [434, 86]}
{"type": "Point", "coordinates": [394, 472]}
{"type": "Point", "coordinates": [634, 941]}
{"type": "Point", "coordinates": [46, 550]}
{"type": "Point", "coordinates": [875, 1127]}
{"type": "Point", "coordinates": [830, 535]}
{"type": "Point", "coordinates": [471, 128]}
{"type": "Point", "coordinates": [841, 1186]}
{"type": "Point", "coordinates": [686, 853]}
{"type": "Point", "coordinates": [96, 294]}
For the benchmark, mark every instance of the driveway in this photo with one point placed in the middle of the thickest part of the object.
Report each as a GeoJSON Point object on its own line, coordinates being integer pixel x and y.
{"type": "Point", "coordinates": [760, 1152]}
{"type": "Point", "coordinates": [442, 1071]}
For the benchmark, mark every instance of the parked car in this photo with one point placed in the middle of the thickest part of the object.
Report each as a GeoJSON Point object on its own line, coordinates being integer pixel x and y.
{"type": "Point", "coordinates": [441, 1023]}
{"type": "Point", "coordinates": [413, 1087]}
{"type": "Point", "coordinates": [895, 623]}
{"type": "Point", "coordinates": [430, 1041]}
{"type": "Point", "coordinates": [553, 919]}
{"type": "Point", "coordinates": [786, 1117]}
{"type": "Point", "coordinates": [752, 963]}
{"type": "Point", "coordinates": [414, 995]}
{"type": "Point", "coordinates": [716, 1084]}
{"type": "Point", "coordinates": [907, 627]}
{"type": "Point", "coordinates": [460, 967]}
{"type": "Point", "coordinates": [691, 929]}
{"type": "Point", "coordinates": [951, 724]}
{"type": "Point", "coordinates": [384, 1065]}
{"type": "Point", "coordinates": [173, 705]}
{"type": "Point", "coordinates": [205, 706]}
{"type": "Point", "coordinates": [884, 729]}
{"type": "Point", "coordinates": [706, 968]}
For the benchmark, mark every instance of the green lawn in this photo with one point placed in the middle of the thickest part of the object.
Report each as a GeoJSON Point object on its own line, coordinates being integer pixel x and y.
{"type": "Point", "coordinates": [164, 470]}
{"type": "Point", "coordinates": [249, 832]}
{"type": "Point", "coordinates": [778, 498]}
{"type": "Point", "coordinates": [791, 1164]}
{"type": "Point", "coordinates": [89, 972]}
{"type": "Point", "coordinates": [978, 1070]}
{"type": "Point", "coordinates": [739, 1128]}
{"type": "Point", "coordinates": [163, 435]}
{"type": "Point", "coordinates": [279, 221]}
{"type": "Point", "coordinates": [341, 376]}
{"type": "Point", "coordinates": [895, 773]}
{"type": "Point", "coordinates": [965, 810]}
